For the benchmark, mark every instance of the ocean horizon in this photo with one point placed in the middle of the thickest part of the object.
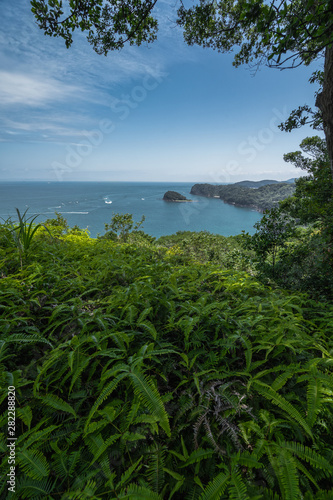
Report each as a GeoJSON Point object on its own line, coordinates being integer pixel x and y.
{"type": "Point", "coordinates": [90, 205]}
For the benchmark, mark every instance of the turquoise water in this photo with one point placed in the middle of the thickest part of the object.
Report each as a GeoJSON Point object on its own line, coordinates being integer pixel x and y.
{"type": "Point", "coordinates": [91, 205]}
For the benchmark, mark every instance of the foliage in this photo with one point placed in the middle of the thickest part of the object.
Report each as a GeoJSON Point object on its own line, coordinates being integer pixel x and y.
{"type": "Point", "coordinates": [262, 198]}
{"type": "Point", "coordinates": [143, 373]}
{"type": "Point", "coordinates": [312, 200]}
{"type": "Point", "coordinates": [306, 264]}
{"type": "Point", "coordinates": [304, 115]}
{"type": "Point", "coordinates": [23, 233]}
{"type": "Point", "coordinates": [58, 224]}
{"type": "Point", "coordinates": [205, 247]}
{"type": "Point", "coordinates": [260, 30]}
{"type": "Point", "coordinates": [110, 24]}
{"type": "Point", "coordinates": [174, 196]}
{"type": "Point", "coordinates": [121, 226]}
{"type": "Point", "coordinates": [273, 230]}
{"type": "Point", "coordinates": [283, 33]}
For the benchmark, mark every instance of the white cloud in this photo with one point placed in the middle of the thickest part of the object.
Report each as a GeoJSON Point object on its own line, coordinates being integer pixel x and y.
{"type": "Point", "coordinates": [43, 127]}
{"type": "Point", "coordinates": [32, 90]}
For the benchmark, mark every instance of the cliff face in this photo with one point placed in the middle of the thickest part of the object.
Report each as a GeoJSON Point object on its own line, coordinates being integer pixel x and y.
{"type": "Point", "coordinates": [262, 198]}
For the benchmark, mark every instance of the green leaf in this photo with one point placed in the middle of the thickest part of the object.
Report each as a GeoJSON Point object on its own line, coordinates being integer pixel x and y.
{"type": "Point", "coordinates": [57, 403]}
{"type": "Point", "coordinates": [127, 474]}
{"type": "Point", "coordinates": [314, 399]}
{"type": "Point", "coordinates": [282, 403]}
{"type": "Point", "coordinates": [237, 488]}
{"type": "Point", "coordinates": [148, 394]}
{"type": "Point", "coordinates": [287, 475]}
{"type": "Point", "coordinates": [173, 474]}
{"type": "Point", "coordinates": [196, 456]}
{"type": "Point", "coordinates": [216, 487]}
{"type": "Point", "coordinates": [33, 463]}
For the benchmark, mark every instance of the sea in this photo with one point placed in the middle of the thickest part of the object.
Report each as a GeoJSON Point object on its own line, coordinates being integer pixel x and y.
{"type": "Point", "coordinates": [90, 205]}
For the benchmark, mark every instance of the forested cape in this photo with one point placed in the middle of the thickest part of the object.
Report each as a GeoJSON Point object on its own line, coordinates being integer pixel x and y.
{"type": "Point", "coordinates": [261, 196]}
{"type": "Point", "coordinates": [166, 369]}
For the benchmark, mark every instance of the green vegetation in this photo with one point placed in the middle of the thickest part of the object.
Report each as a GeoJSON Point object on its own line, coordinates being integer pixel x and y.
{"type": "Point", "coordinates": [302, 259]}
{"type": "Point", "coordinates": [262, 198]}
{"type": "Point", "coordinates": [161, 369]}
{"type": "Point", "coordinates": [174, 196]}
{"type": "Point", "coordinates": [273, 231]}
{"type": "Point", "coordinates": [121, 226]}
{"type": "Point", "coordinates": [21, 234]}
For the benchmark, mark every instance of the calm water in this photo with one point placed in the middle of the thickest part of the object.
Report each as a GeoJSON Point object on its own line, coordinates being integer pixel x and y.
{"type": "Point", "coordinates": [91, 205]}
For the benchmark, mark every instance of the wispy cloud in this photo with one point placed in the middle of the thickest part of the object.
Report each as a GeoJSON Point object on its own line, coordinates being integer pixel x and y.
{"type": "Point", "coordinates": [30, 90]}
{"type": "Point", "coordinates": [55, 129]}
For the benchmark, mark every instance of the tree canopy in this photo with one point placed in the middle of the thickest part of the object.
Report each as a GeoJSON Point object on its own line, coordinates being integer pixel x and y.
{"type": "Point", "coordinates": [110, 24]}
{"type": "Point", "coordinates": [280, 32]}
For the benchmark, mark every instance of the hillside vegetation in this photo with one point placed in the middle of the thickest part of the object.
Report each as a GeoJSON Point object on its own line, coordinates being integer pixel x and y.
{"type": "Point", "coordinates": [261, 198]}
{"type": "Point", "coordinates": [161, 369]}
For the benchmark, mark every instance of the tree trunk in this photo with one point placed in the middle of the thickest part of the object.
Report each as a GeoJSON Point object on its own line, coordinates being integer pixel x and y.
{"type": "Point", "coordinates": [325, 103]}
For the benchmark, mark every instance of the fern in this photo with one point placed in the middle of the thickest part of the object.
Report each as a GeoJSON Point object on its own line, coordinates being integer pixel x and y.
{"type": "Point", "coordinates": [314, 399]}
{"type": "Point", "coordinates": [165, 379]}
{"type": "Point", "coordinates": [57, 403]}
{"type": "Point", "coordinates": [147, 392]}
{"type": "Point", "coordinates": [33, 463]}
{"type": "Point", "coordinates": [216, 488]}
{"type": "Point", "coordinates": [278, 400]}
{"type": "Point", "coordinates": [286, 472]}
{"type": "Point", "coordinates": [36, 489]}
{"type": "Point", "coordinates": [134, 492]}
{"type": "Point", "coordinates": [309, 455]}
{"type": "Point", "coordinates": [237, 488]}
{"type": "Point", "coordinates": [127, 475]}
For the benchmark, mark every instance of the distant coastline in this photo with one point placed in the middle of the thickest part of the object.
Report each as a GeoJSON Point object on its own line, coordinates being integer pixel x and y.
{"type": "Point", "coordinates": [257, 195]}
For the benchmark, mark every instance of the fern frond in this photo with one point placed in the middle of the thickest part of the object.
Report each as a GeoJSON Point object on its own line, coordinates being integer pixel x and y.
{"type": "Point", "coordinates": [286, 473]}
{"type": "Point", "coordinates": [81, 364]}
{"type": "Point", "coordinates": [57, 403]}
{"type": "Point", "coordinates": [126, 476]}
{"type": "Point", "coordinates": [25, 414]}
{"type": "Point", "coordinates": [33, 463]}
{"type": "Point", "coordinates": [27, 339]}
{"type": "Point", "coordinates": [35, 436]}
{"type": "Point", "coordinates": [282, 378]}
{"type": "Point", "coordinates": [155, 470]}
{"type": "Point", "coordinates": [149, 395]}
{"type": "Point", "coordinates": [237, 488]}
{"type": "Point", "coordinates": [215, 488]}
{"type": "Point", "coordinates": [104, 394]}
{"type": "Point", "coordinates": [36, 489]}
{"type": "Point", "coordinates": [314, 399]}
{"type": "Point", "coordinates": [134, 492]}
{"type": "Point", "coordinates": [103, 446]}
{"type": "Point", "coordinates": [150, 328]}
{"type": "Point", "coordinates": [196, 457]}
{"type": "Point", "coordinates": [309, 455]}
{"type": "Point", "coordinates": [266, 391]}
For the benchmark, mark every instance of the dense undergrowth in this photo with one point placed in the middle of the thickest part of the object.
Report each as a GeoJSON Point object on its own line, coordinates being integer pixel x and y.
{"type": "Point", "coordinates": [159, 370]}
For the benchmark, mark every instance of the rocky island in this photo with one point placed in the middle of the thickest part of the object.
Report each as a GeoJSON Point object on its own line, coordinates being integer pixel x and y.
{"type": "Point", "coordinates": [175, 197]}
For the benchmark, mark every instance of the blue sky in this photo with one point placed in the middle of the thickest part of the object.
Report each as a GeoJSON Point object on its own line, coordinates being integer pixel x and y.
{"type": "Point", "coordinates": [166, 112]}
